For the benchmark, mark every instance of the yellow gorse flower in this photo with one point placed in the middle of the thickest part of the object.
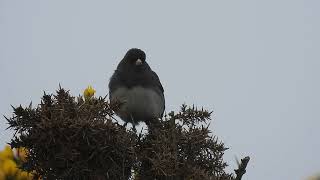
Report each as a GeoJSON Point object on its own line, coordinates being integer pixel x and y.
{"type": "Point", "coordinates": [2, 175]}
{"type": "Point", "coordinates": [7, 153]}
{"type": "Point", "coordinates": [25, 175]}
{"type": "Point", "coordinates": [89, 92]}
{"type": "Point", "coordinates": [9, 167]}
{"type": "Point", "coordinates": [9, 162]}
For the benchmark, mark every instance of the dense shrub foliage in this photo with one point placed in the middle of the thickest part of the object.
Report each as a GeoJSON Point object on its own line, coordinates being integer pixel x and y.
{"type": "Point", "coordinates": [71, 137]}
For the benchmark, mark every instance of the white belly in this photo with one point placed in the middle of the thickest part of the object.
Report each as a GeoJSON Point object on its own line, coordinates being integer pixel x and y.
{"type": "Point", "coordinates": [140, 102]}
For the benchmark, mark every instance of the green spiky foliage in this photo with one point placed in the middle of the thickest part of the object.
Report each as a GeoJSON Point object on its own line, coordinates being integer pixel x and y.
{"type": "Point", "coordinates": [181, 147]}
{"type": "Point", "coordinates": [73, 138]}
{"type": "Point", "coordinates": [69, 138]}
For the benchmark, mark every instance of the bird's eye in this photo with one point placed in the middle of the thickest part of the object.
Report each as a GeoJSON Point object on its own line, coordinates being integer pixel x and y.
{"type": "Point", "coordinates": [138, 62]}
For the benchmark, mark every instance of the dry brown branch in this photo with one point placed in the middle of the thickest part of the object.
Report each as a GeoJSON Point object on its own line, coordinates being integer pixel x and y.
{"type": "Point", "coordinates": [242, 168]}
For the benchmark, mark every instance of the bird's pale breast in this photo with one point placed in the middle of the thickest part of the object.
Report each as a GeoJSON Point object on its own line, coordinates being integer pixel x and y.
{"type": "Point", "coordinates": [139, 103]}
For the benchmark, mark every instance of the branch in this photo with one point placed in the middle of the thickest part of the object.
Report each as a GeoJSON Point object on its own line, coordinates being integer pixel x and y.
{"type": "Point", "coordinates": [242, 168]}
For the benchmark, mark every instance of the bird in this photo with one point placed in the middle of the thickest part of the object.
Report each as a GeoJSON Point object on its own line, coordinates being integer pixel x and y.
{"type": "Point", "coordinates": [137, 89]}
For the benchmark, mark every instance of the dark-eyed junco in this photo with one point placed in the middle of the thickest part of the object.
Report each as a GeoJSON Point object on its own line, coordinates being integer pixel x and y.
{"type": "Point", "coordinates": [138, 89]}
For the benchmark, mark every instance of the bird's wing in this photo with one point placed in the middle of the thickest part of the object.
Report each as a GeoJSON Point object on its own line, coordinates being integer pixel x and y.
{"type": "Point", "coordinates": [158, 83]}
{"type": "Point", "coordinates": [114, 82]}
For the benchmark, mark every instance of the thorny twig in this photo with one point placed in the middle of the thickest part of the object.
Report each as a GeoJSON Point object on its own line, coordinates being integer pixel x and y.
{"type": "Point", "coordinates": [242, 168]}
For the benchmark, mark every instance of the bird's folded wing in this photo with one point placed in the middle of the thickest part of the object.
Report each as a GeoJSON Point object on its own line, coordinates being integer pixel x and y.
{"type": "Point", "coordinates": [158, 83]}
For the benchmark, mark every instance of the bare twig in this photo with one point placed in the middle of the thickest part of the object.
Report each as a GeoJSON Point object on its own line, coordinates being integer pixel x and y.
{"type": "Point", "coordinates": [242, 168]}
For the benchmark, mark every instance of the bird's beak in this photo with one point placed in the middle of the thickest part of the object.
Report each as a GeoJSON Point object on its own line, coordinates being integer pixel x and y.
{"type": "Point", "coordinates": [138, 62]}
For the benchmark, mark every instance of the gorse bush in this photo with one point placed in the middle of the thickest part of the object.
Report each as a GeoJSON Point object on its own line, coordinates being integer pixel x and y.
{"type": "Point", "coordinates": [71, 137]}
{"type": "Point", "coordinates": [182, 148]}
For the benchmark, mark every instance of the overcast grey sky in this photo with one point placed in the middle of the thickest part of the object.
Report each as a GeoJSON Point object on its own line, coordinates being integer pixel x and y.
{"type": "Point", "coordinates": [255, 63]}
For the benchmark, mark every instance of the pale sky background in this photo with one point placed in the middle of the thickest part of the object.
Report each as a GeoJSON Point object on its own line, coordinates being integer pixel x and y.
{"type": "Point", "coordinates": [254, 63]}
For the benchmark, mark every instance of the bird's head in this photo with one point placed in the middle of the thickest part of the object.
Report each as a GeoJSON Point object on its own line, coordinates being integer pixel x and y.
{"type": "Point", "coordinates": [135, 59]}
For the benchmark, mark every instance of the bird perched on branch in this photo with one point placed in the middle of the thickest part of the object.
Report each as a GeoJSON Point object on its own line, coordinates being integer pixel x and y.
{"type": "Point", "coordinates": [138, 90]}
